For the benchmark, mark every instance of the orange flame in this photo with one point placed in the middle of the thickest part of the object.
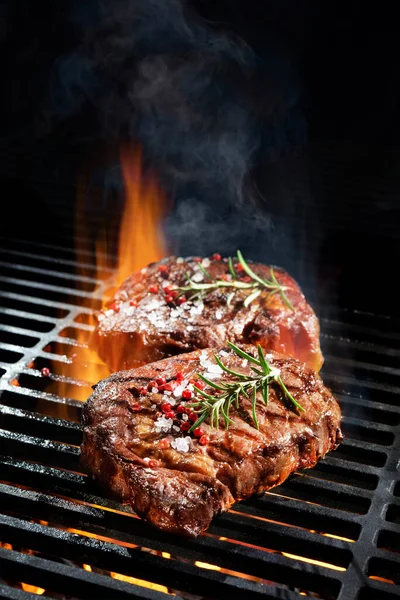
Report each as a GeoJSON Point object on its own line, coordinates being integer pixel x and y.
{"type": "Point", "coordinates": [140, 242]}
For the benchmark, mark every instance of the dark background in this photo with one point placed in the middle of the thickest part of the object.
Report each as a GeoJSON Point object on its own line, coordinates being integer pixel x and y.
{"type": "Point", "coordinates": [323, 100]}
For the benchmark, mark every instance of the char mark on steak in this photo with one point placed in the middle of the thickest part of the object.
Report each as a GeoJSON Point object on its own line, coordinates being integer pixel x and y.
{"type": "Point", "coordinates": [146, 321]}
{"type": "Point", "coordinates": [136, 443]}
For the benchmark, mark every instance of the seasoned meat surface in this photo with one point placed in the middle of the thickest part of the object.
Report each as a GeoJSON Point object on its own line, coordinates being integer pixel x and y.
{"type": "Point", "coordinates": [137, 445]}
{"type": "Point", "coordinates": [145, 323]}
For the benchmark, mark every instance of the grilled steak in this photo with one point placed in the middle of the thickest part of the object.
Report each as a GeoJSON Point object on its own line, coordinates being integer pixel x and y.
{"type": "Point", "coordinates": [146, 320]}
{"type": "Point", "coordinates": [137, 445]}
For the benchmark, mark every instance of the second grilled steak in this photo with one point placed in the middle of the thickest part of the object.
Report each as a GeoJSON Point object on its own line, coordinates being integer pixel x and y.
{"type": "Point", "coordinates": [137, 444]}
{"type": "Point", "coordinates": [148, 319]}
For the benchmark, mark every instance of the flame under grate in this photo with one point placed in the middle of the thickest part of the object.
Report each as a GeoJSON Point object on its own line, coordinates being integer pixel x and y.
{"type": "Point", "coordinates": [332, 532]}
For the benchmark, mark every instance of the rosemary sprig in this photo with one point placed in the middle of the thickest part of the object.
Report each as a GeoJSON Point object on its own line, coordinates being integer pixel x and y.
{"type": "Point", "coordinates": [255, 286]}
{"type": "Point", "coordinates": [229, 392]}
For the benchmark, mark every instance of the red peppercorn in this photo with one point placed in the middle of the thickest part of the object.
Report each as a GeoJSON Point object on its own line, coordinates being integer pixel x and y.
{"type": "Point", "coordinates": [181, 300]}
{"type": "Point", "coordinates": [216, 257]}
{"type": "Point", "coordinates": [197, 259]}
{"type": "Point", "coordinates": [179, 376]}
{"type": "Point", "coordinates": [188, 410]}
{"type": "Point", "coordinates": [193, 416]}
{"type": "Point", "coordinates": [161, 381]}
{"type": "Point", "coordinates": [133, 303]}
{"type": "Point", "coordinates": [152, 463]}
{"type": "Point", "coordinates": [173, 293]}
{"type": "Point", "coordinates": [185, 426]}
{"type": "Point", "coordinates": [135, 406]}
{"type": "Point", "coordinates": [246, 279]}
{"type": "Point", "coordinates": [224, 276]}
{"type": "Point", "coordinates": [203, 441]}
{"type": "Point", "coordinates": [45, 372]}
{"type": "Point", "coordinates": [200, 384]}
{"type": "Point", "coordinates": [164, 443]}
{"type": "Point", "coordinates": [151, 385]}
{"type": "Point", "coordinates": [239, 267]}
{"type": "Point", "coordinates": [187, 394]}
{"type": "Point", "coordinates": [115, 307]}
{"type": "Point", "coordinates": [198, 432]}
{"type": "Point", "coordinates": [153, 289]}
{"type": "Point", "coordinates": [180, 409]}
{"type": "Point", "coordinates": [143, 391]}
{"type": "Point", "coordinates": [170, 414]}
{"type": "Point", "coordinates": [166, 407]}
{"type": "Point", "coordinates": [169, 299]}
{"type": "Point", "coordinates": [162, 268]}
{"type": "Point", "coordinates": [170, 386]}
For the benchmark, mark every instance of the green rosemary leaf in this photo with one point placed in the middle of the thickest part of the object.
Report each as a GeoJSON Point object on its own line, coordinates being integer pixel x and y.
{"type": "Point", "coordinates": [202, 393]}
{"type": "Point", "coordinates": [199, 421]}
{"type": "Point", "coordinates": [254, 402]}
{"type": "Point", "coordinates": [225, 413]}
{"type": "Point", "coordinates": [265, 392]}
{"type": "Point", "coordinates": [231, 268]}
{"type": "Point", "coordinates": [206, 273]}
{"type": "Point", "coordinates": [227, 370]}
{"type": "Point", "coordinates": [288, 394]}
{"type": "Point", "coordinates": [249, 271]}
{"type": "Point", "coordinates": [257, 371]}
{"type": "Point", "coordinates": [229, 298]}
{"type": "Point", "coordinates": [243, 354]}
{"type": "Point", "coordinates": [212, 383]}
{"type": "Point", "coordinates": [251, 297]}
{"type": "Point", "coordinates": [265, 366]}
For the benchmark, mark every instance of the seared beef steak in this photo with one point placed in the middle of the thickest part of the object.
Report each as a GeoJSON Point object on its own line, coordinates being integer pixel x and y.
{"type": "Point", "coordinates": [136, 440]}
{"type": "Point", "coordinates": [146, 321]}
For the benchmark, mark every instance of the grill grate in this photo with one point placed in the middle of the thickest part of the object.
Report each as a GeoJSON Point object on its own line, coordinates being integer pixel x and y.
{"type": "Point", "coordinates": [343, 516]}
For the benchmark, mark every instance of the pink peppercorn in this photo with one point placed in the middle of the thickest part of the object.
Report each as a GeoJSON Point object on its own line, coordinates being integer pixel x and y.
{"type": "Point", "coordinates": [198, 432]}
{"type": "Point", "coordinates": [187, 394]}
{"type": "Point", "coordinates": [180, 409]}
{"type": "Point", "coordinates": [166, 407]}
{"type": "Point", "coordinates": [204, 440]}
{"type": "Point", "coordinates": [170, 414]}
{"type": "Point", "coordinates": [153, 289]}
{"type": "Point", "coordinates": [185, 426]}
{"type": "Point", "coordinates": [216, 257]}
{"type": "Point", "coordinates": [45, 372]}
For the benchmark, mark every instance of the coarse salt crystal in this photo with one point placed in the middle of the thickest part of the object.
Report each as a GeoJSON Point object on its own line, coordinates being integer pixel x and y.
{"type": "Point", "coordinates": [166, 393]}
{"type": "Point", "coordinates": [190, 327]}
{"type": "Point", "coordinates": [206, 262]}
{"type": "Point", "coordinates": [198, 276]}
{"type": "Point", "coordinates": [184, 417]}
{"type": "Point", "coordinates": [101, 317]}
{"type": "Point", "coordinates": [154, 390]}
{"type": "Point", "coordinates": [274, 372]}
{"type": "Point", "coordinates": [245, 362]}
{"type": "Point", "coordinates": [181, 444]}
{"type": "Point", "coordinates": [144, 270]}
{"type": "Point", "coordinates": [218, 314]}
{"type": "Point", "coordinates": [223, 353]}
{"type": "Point", "coordinates": [163, 424]}
{"type": "Point", "coordinates": [175, 428]}
{"type": "Point", "coordinates": [109, 312]}
{"type": "Point", "coordinates": [153, 406]}
{"type": "Point", "coordinates": [179, 260]}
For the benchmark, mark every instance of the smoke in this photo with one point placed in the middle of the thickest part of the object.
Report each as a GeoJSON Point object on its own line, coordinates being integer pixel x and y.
{"type": "Point", "coordinates": [203, 104]}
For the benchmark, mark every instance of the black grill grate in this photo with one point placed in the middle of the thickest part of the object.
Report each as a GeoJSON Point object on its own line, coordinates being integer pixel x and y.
{"type": "Point", "coordinates": [344, 515]}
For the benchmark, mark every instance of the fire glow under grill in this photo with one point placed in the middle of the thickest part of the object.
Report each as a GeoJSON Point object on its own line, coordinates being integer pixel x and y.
{"type": "Point", "coordinates": [332, 532]}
